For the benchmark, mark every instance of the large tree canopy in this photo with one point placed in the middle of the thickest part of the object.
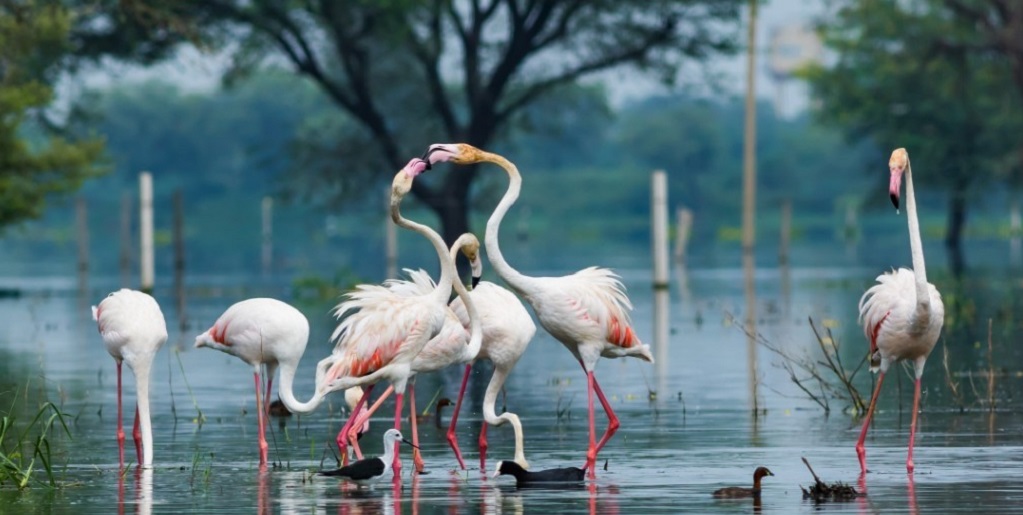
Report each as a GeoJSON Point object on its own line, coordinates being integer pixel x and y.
{"type": "Point", "coordinates": [411, 73]}
{"type": "Point", "coordinates": [904, 77]}
{"type": "Point", "coordinates": [35, 163]}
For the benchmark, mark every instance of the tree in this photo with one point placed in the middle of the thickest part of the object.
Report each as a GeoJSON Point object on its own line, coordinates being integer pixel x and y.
{"type": "Point", "coordinates": [411, 73]}
{"type": "Point", "coordinates": [897, 82]}
{"type": "Point", "coordinates": [35, 160]}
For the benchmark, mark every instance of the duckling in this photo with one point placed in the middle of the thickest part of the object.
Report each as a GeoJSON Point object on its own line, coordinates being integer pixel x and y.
{"type": "Point", "coordinates": [738, 492]}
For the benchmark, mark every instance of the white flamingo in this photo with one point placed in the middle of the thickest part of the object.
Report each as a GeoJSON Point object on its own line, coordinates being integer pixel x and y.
{"type": "Point", "coordinates": [902, 315]}
{"type": "Point", "coordinates": [453, 344]}
{"type": "Point", "coordinates": [381, 332]}
{"type": "Point", "coordinates": [133, 329]}
{"type": "Point", "coordinates": [587, 311]}
{"type": "Point", "coordinates": [260, 332]}
{"type": "Point", "coordinates": [507, 331]}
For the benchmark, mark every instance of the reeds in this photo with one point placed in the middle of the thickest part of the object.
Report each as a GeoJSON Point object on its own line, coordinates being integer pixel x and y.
{"type": "Point", "coordinates": [23, 453]}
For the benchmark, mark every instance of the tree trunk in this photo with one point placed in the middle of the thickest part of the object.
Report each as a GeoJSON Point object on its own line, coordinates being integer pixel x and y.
{"type": "Point", "coordinates": [956, 225]}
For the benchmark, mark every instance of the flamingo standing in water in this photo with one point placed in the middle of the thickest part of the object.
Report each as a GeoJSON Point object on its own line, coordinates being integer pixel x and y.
{"type": "Point", "coordinates": [271, 333]}
{"type": "Point", "coordinates": [587, 311]}
{"type": "Point", "coordinates": [902, 315]}
{"type": "Point", "coordinates": [453, 344]}
{"type": "Point", "coordinates": [133, 329]}
{"type": "Point", "coordinates": [381, 332]}
{"type": "Point", "coordinates": [507, 330]}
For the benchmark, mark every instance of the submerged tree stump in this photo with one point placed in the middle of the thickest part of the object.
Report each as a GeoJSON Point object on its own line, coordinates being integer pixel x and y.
{"type": "Point", "coordinates": [823, 492]}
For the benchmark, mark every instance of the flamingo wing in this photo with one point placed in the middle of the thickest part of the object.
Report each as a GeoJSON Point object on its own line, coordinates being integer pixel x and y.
{"type": "Point", "coordinates": [127, 314]}
{"type": "Point", "coordinates": [886, 310]}
{"type": "Point", "coordinates": [419, 282]}
{"type": "Point", "coordinates": [596, 295]}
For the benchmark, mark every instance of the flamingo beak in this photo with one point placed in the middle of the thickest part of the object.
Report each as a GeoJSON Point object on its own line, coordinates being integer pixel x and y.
{"type": "Point", "coordinates": [893, 186]}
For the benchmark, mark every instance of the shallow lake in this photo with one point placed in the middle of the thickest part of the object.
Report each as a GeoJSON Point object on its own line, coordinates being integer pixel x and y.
{"type": "Point", "coordinates": [688, 423]}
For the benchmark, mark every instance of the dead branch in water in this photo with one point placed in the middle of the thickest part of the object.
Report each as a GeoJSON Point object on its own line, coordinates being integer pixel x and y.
{"type": "Point", "coordinates": [823, 492]}
{"type": "Point", "coordinates": [816, 372]}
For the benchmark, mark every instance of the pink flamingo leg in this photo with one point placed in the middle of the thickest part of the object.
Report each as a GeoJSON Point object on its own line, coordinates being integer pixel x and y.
{"type": "Point", "coordinates": [360, 421]}
{"type": "Point", "coordinates": [120, 425]}
{"type": "Point", "coordinates": [399, 398]}
{"type": "Point", "coordinates": [912, 427]}
{"type": "Point", "coordinates": [342, 447]}
{"type": "Point", "coordinates": [264, 449]}
{"type": "Point", "coordinates": [861, 452]}
{"type": "Point", "coordinates": [452, 438]}
{"type": "Point", "coordinates": [612, 422]}
{"type": "Point", "coordinates": [591, 452]}
{"type": "Point", "coordinates": [483, 448]}
{"type": "Point", "coordinates": [417, 460]}
{"type": "Point", "coordinates": [137, 436]}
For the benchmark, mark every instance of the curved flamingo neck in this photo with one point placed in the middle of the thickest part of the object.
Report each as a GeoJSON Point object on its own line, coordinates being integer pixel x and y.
{"type": "Point", "coordinates": [490, 415]}
{"type": "Point", "coordinates": [288, 395]}
{"type": "Point", "coordinates": [475, 328]}
{"type": "Point", "coordinates": [923, 296]}
{"type": "Point", "coordinates": [516, 280]}
{"type": "Point", "coordinates": [448, 273]}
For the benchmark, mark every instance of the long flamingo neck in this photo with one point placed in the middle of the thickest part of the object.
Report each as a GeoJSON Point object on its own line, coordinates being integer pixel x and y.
{"type": "Point", "coordinates": [490, 415]}
{"type": "Point", "coordinates": [923, 297]}
{"type": "Point", "coordinates": [288, 395]}
{"type": "Point", "coordinates": [514, 278]}
{"type": "Point", "coordinates": [475, 328]}
{"type": "Point", "coordinates": [142, 402]}
{"type": "Point", "coordinates": [448, 273]}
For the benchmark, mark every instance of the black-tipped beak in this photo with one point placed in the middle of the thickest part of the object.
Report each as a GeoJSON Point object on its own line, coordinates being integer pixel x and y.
{"type": "Point", "coordinates": [895, 200]}
{"type": "Point", "coordinates": [475, 281]}
{"type": "Point", "coordinates": [426, 156]}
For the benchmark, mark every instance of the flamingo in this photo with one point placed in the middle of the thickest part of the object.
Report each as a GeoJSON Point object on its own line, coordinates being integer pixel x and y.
{"type": "Point", "coordinates": [133, 329]}
{"type": "Point", "coordinates": [453, 344]}
{"type": "Point", "coordinates": [507, 330]}
{"type": "Point", "coordinates": [264, 332]}
{"type": "Point", "coordinates": [381, 332]}
{"type": "Point", "coordinates": [271, 333]}
{"type": "Point", "coordinates": [902, 315]}
{"type": "Point", "coordinates": [587, 311]}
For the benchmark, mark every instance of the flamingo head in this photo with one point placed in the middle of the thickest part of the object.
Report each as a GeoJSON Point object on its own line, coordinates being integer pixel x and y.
{"type": "Point", "coordinates": [458, 153]}
{"type": "Point", "coordinates": [898, 164]}
{"type": "Point", "coordinates": [402, 182]}
{"type": "Point", "coordinates": [352, 397]}
{"type": "Point", "coordinates": [469, 244]}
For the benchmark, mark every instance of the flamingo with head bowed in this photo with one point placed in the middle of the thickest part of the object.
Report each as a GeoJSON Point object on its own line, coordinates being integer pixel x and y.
{"type": "Point", "coordinates": [264, 332]}
{"type": "Point", "coordinates": [902, 315]}
{"type": "Point", "coordinates": [133, 329]}
{"type": "Point", "coordinates": [507, 330]}
{"type": "Point", "coordinates": [382, 332]}
{"type": "Point", "coordinates": [587, 311]}
{"type": "Point", "coordinates": [453, 344]}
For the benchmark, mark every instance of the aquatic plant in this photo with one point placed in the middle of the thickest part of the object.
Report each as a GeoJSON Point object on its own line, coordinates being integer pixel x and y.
{"type": "Point", "coordinates": [22, 453]}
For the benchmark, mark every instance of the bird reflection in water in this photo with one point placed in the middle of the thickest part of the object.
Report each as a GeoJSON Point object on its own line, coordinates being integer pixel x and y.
{"type": "Point", "coordinates": [495, 499]}
{"type": "Point", "coordinates": [264, 506]}
{"type": "Point", "coordinates": [143, 492]}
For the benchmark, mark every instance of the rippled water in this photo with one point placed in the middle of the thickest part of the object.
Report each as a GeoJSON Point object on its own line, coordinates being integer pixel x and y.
{"type": "Point", "coordinates": [687, 424]}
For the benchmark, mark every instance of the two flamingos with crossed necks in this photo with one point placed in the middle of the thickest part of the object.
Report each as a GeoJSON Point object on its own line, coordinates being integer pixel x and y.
{"type": "Point", "coordinates": [587, 311]}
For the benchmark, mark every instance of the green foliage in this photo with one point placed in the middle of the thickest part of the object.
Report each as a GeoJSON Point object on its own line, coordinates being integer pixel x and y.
{"type": "Point", "coordinates": [33, 42]}
{"type": "Point", "coordinates": [22, 452]}
{"type": "Point", "coordinates": [903, 78]}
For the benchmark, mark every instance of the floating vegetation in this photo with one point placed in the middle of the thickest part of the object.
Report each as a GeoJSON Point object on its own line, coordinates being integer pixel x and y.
{"type": "Point", "coordinates": [823, 492]}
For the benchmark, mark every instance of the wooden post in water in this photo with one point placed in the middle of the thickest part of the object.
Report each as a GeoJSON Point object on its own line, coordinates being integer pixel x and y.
{"type": "Point", "coordinates": [659, 224]}
{"type": "Point", "coordinates": [683, 228]}
{"type": "Point", "coordinates": [179, 257]}
{"type": "Point", "coordinates": [268, 228]}
{"type": "Point", "coordinates": [124, 260]}
{"type": "Point", "coordinates": [82, 230]}
{"type": "Point", "coordinates": [749, 191]}
{"type": "Point", "coordinates": [390, 243]}
{"type": "Point", "coordinates": [146, 231]}
{"type": "Point", "coordinates": [786, 232]}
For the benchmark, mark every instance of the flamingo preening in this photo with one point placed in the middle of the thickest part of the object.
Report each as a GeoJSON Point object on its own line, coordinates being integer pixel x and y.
{"type": "Point", "coordinates": [902, 315]}
{"type": "Point", "coordinates": [453, 344]}
{"type": "Point", "coordinates": [133, 329]}
{"type": "Point", "coordinates": [587, 311]}
{"type": "Point", "coordinates": [381, 332]}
